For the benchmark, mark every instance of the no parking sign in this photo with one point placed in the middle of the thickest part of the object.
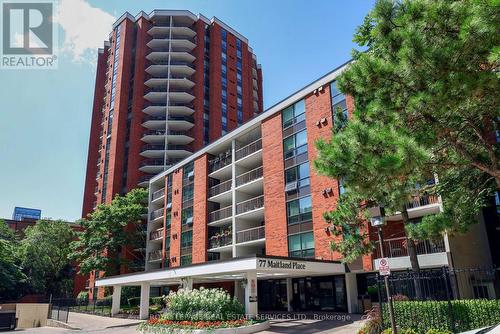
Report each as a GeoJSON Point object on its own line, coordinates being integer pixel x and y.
{"type": "Point", "coordinates": [383, 267]}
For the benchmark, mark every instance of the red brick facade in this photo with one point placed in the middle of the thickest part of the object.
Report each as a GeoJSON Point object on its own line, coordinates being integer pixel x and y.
{"type": "Point", "coordinates": [274, 187]}
{"type": "Point", "coordinates": [324, 190]}
{"type": "Point", "coordinates": [175, 228]}
{"type": "Point", "coordinates": [200, 231]}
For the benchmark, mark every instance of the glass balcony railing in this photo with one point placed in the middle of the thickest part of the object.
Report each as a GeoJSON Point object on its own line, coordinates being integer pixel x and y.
{"type": "Point", "coordinates": [220, 188]}
{"type": "Point", "coordinates": [220, 161]}
{"type": "Point", "coordinates": [249, 205]}
{"type": "Point", "coordinates": [157, 214]}
{"type": "Point", "coordinates": [250, 176]}
{"type": "Point", "coordinates": [158, 193]}
{"type": "Point", "coordinates": [249, 149]}
{"type": "Point", "coordinates": [156, 234]}
{"type": "Point", "coordinates": [150, 147]}
{"type": "Point", "coordinates": [222, 240]}
{"type": "Point", "coordinates": [251, 234]}
{"type": "Point", "coordinates": [220, 214]}
{"type": "Point", "coordinates": [155, 255]}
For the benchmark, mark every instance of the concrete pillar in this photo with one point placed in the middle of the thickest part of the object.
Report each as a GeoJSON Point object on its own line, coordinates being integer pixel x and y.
{"type": "Point", "coordinates": [351, 287]}
{"type": "Point", "coordinates": [144, 306]}
{"type": "Point", "coordinates": [239, 292]}
{"type": "Point", "coordinates": [115, 305]}
{"type": "Point", "coordinates": [289, 294]}
{"type": "Point", "coordinates": [187, 283]}
{"type": "Point", "coordinates": [251, 294]}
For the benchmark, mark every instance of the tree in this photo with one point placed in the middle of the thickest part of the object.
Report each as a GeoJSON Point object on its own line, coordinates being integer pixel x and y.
{"type": "Point", "coordinates": [426, 103]}
{"type": "Point", "coordinates": [12, 279]}
{"type": "Point", "coordinates": [44, 253]}
{"type": "Point", "coordinates": [434, 68]}
{"type": "Point", "coordinates": [109, 229]}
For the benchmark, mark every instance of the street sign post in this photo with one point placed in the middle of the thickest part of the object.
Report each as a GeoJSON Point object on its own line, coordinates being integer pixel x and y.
{"type": "Point", "coordinates": [383, 267]}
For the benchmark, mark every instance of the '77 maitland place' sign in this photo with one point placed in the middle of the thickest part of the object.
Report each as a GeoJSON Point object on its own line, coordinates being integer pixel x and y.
{"type": "Point", "coordinates": [29, 35]}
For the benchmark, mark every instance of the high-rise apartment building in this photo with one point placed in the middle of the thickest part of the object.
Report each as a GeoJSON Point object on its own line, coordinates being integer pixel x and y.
{"type": "Point", "coordinates": [246, 213]}
{"type": "Point", "coordinates": [167, 84]}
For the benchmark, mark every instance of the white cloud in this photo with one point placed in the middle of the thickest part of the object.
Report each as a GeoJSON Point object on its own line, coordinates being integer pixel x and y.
{"type": "Point", "coordinates": [85, 28]}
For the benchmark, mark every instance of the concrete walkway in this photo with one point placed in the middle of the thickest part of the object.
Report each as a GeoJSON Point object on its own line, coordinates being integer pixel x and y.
{"type": "Point", "coordinates": [90, 322]}
{"type": "Point", "coordinates": [319, 323]}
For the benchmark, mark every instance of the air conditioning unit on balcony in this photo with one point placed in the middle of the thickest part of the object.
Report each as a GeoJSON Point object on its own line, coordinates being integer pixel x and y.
{"type": "Point", "coordinates": [190, 175]}
{"type": "Point", "coordinates": [291, 186]}
{"type": "Point", "coordinates": [189, 220]}
{"type": "Point", "coordinates": [169, 206]}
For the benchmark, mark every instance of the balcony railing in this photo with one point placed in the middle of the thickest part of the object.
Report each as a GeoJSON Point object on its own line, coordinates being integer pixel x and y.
{"type": "Point", "coordinates": [158, 193]}
{"type": "Point", "coordinates": [163, 132]}
{"type": "Point", "coordinates": [155, 255]}
{"type": "Point", "coordinates": [157, 214]}
{"type": "Point", "coordinates": [251, 234]}
{"type": "Point", "coordinates": [398, 247]}
{"type": "Point", "coordinates": [145, 178]}
{"type": "Point", "coordinates": [422, 201]}
{"type": "Point", "coordinates": [220, 240]}
{"type": "Point", "coordinates": [254, 174]}
{"type": "Point", "coordinates": [220, 188]}
{"type": "Point", "coordinates": [249, 149]}
{"type": "Point", "coordinates": [219, 161]}
{"type": "Point", "coordinates": [220, 214]}
{"type": "Point", "coordinates": [156, 234]}
{"type": "Point", "coordinates": [249, 205]}
{"type": "Point", "coordinates": [165, 147]}
{"type": "Point", "coordinates": [189, 119]}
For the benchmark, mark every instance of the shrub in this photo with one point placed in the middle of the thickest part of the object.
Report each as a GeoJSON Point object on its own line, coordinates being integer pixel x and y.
{"type": "Point", "coordinates": [83, 297]}
{"type": "Point", "coordinates": [436, 331]}
{"type": "Point", "coordinates": [106, 301]}
{"type": "Point", "coordinates": [402, 331]}
{"type": "Point", "coordinates": [373, 323]}
{"type": "Point", "coordinates": [202, 305]}
{"type": "Point", "coordinates": [423, 316]}
{"type": "Point", "coordinates": [134, 301]}
{"type": "Point", "coordinates": [159, 301]}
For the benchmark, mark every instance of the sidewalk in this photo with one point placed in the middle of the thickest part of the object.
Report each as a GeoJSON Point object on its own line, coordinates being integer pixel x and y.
{"type": "Point", "coordinates": [90, 322]}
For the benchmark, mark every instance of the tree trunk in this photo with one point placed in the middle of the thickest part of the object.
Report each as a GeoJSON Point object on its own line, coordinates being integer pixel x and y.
{"type": "Point", "coordinates": [412, 254]}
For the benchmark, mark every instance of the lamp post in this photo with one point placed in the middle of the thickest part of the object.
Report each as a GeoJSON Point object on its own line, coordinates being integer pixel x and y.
{"type": "Point", "coordinates": [377, 222]}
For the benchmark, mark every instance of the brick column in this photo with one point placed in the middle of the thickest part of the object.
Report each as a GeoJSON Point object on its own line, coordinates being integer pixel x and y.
{"type": "Point", "coordinates": [175, 229]}
{"type": "Point", "coordinates": [274, 187]}
{"type": "Point", "coordinates": [318, 109]}
{"type": "Point", "coordinates": [200, 231]}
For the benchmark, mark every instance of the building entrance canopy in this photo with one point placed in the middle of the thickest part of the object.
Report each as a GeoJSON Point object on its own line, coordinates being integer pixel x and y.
{"type": "Point", "coordinates": [246, 269]}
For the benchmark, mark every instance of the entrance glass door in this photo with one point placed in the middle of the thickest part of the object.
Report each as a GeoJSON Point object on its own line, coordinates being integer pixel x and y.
{"type": "Point", "coordinates": [319, 294]}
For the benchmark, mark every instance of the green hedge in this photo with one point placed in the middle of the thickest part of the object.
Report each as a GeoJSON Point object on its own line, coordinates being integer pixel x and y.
{"type": "Point", "coordinates": [424, 315]}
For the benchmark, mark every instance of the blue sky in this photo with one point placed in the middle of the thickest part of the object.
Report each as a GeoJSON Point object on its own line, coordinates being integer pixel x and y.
{"type": "Point", "coordinates": [45, 114]}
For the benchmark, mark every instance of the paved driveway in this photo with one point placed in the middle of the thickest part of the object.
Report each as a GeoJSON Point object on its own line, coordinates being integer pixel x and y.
{"type": "Point", "coordinates": [287, 324]}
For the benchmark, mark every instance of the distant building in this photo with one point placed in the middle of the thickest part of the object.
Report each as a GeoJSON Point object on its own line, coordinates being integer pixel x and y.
{"type": "Point", "coordinates": [21, 213]}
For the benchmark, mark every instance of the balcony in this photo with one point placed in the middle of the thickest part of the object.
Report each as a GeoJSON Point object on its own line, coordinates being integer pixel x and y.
{"type": "Point", "coordinates": [161, 109]}
{"type": "Point", "coordinates": [219, 189]}
{"type": "Point", "coordinates": [156, 234]}
{"type": "Point", "coordinates": [251, 234]}
{"type": "Point", "coordinates": [418, 201]}
{"type": "Point", "coordinates": [183, 42]}
{"type": "Point", "coordinates": [175, 123]}
{"type": "Point", "coordinates": [250, 205]}
{"type": "Point", "coordinates": [418, 206]}
{"type": "Point", "coordinates": [173, 137]}
{"type": "Point", "coordinates": [174, 84]}
{"type": "Point", "coordinates": [157, 214]}
{"type": "Point", "coordinates": [159, 95]}
{"type": "Point", "coordinates": [158, 194]}
{"type": "Point", "coordinates": [155, 255]}
{"type": "Point", "coordinates": [221, 215]}
{"type": "Point", "coordinates": [163, 31]}
{"type": "Point", "coordinates": [175, 56]}
{"type": "Point", "coordinates": [430, 253]}
{"type": "Point", "coordinates": [144, 180]}
{"type": "Point", "coordinates": [250, 176]}
{"type": "Point", "coordinates": [162, 70]}
{"type": "Point", "coordinates": [248, 149]}
{"type": "Point", "coordinates": [222, 160]}
{"type": "Point", "coordinates": [220, 240]}
{"type": "Point", "coordinates": [173, 151]}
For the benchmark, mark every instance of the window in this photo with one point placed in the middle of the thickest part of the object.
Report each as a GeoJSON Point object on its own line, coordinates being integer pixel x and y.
{"type": "Point", "coordinates": [299, 210]}
{"type": "Point", "coordinates": [188, 192]}
{"type": "Point", "coordinates": [339, 107]}
{"type": "Point", "coordinates": [301, 245]}
{"type": "Point", "coordinates": [187, 216]}
{"type": "Point", "coordinates": [168, 220]}
{"type": "Point", "coordinates": [188, 171]}
{"type": "Point", "coordinates": [167, 243]}
{"type": "Point", "coordinates": [295, 113]}
{"type": "Point", "coordinates": [341, 186]}
{"type": "Point", "coordinates": [295, 144]}
{"type": "Point", "coordinates": [298, 176]}
{"type": "Point", "coordinates": [186, 259]}
{"type": "Point", "coordinates": [186, 239]}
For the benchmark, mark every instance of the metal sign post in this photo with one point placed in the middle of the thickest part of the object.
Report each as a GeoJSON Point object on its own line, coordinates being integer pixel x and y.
{"type": "Point", "coordinates": [378, 222]}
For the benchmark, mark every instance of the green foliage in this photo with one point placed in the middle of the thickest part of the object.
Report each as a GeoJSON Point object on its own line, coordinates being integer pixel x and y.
{"type": "Point", "coordinates": [405, 331]}
{"type": "Point", "coordinates": [44, 253]}
{"type": "Point", "coordinates": [12, 279]}
{"type": "Point", "coordinates": [105, 231]}
{"type": "Point", "coordinates": [422, 316]}
{"type": "Point", "coordinates": [426, 103]}
{"type": "Point", "coordinates": [83, 297]}
{"type": "Point", "coordinates": [202, 305]}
